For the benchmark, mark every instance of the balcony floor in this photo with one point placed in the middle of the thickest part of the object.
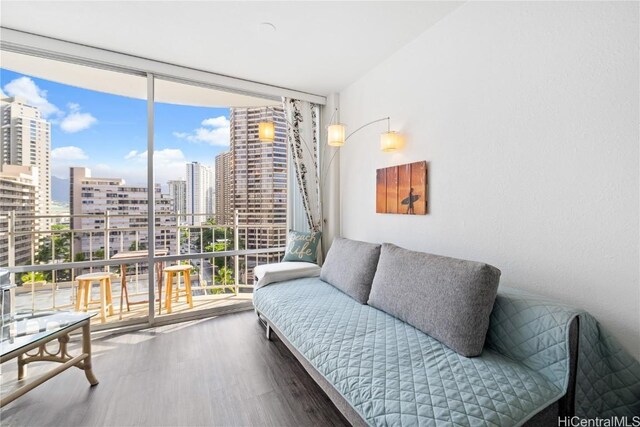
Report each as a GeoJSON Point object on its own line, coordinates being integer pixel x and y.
{"type": "Point", "coordinates": [212, 303]}
{"type": "Point", "coordinates": [215, 371]}
{"type": "Point", "coordinates": [200, 302]}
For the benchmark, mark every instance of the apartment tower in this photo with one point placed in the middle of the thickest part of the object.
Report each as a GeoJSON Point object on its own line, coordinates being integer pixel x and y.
{"type": "Point", "coordinates": [18, 189]}
{"type": "Point", "coordinates": [200, 193]}
{"type": "Point", "coordinates": [224, 210]}
{"type": "Point", "coordinates": [259, 185]}
{"type": "Point", "coordinates": [26, 141]}
{"type": "Point", "coordinates": [178, 192]}
{"type": "Point", "coordinates": [111, 203]}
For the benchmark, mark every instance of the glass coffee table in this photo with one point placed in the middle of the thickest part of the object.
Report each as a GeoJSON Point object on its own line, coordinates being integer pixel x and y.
{"type": "Point", "coordinates": [26, 337]}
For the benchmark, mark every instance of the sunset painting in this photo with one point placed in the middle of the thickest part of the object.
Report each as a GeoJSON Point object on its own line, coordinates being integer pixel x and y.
{"type": "Point", "coordinates": [402, 189]}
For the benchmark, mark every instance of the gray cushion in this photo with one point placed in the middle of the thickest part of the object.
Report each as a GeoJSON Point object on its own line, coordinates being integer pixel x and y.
{"type": "Point", "coordinates": [350, 267]}
{"type": "Point", "coordinates": [447, 298]}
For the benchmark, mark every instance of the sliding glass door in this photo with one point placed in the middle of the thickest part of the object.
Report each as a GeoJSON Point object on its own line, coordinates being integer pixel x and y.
{"type": "Point", "coordinates": [163, 186]}
{"type": "Point", "coordinates": [74, 194]}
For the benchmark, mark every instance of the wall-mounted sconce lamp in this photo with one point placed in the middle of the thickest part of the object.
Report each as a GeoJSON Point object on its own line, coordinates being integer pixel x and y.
{"type": "Point", "coordinates": [389, 140]}
{"type": "Point", "coordinates": [337, 134]}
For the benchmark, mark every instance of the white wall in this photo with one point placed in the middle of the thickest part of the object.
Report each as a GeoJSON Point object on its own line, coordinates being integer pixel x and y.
{"type": "Point", "coordinates": [527, 114]}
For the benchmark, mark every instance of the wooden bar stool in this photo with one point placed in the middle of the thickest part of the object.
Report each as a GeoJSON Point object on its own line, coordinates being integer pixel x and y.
{"type": "Point", "coordinates": [84, 290]}
{"type": "Point", "coordinates": [174, 271]}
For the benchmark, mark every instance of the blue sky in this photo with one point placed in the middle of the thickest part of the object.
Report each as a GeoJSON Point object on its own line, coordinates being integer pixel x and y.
{"type": "Point", "coordinates": [107, 133]}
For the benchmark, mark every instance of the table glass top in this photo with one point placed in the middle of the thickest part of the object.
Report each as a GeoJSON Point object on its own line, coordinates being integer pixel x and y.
{"type": "Point", "coordinates": [28, 328]}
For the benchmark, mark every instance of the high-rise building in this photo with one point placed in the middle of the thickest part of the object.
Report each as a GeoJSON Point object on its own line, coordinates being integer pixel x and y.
{"type": "Point", "coordinates": [224, 209]}
{"type": "Point", "coordinates": [200, 193]}
{"type": "Point", "coordinates": [99, 203]}
{"type": "Point", "coordinates": [18, 189]}
{"type": "Point", "coordinates": [26, 141]}
{"type": "Point", "coordinates": [259, 171]}
{"type": "Point", "coordinates": [178, 192]}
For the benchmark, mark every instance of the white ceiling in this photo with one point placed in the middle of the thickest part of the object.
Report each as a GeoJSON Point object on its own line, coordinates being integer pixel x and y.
{"type": "Point", "coordinates": [318, 47]}
{"type": "Point", "coordinates": [126, 84]}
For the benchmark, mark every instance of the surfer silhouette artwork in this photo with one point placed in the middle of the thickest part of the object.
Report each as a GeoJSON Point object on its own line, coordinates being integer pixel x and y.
{"type": "Point", "coordinates": [402, 189]}
{"type": "Point", "coordinates": [409, 201]}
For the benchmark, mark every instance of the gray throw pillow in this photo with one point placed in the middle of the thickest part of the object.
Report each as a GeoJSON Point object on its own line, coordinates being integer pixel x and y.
{"type": "Point", "coordinates": [449, 299]}
{"type": "Point", "coordinates": [350, 267]}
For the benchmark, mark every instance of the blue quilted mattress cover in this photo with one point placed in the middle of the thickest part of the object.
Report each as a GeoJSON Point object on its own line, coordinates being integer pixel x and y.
{"type": "Point", "coordinates": [394, 375]}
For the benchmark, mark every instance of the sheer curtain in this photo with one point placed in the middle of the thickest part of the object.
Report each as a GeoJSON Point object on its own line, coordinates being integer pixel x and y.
{"type": "Point", "coordinates": [303, 135]}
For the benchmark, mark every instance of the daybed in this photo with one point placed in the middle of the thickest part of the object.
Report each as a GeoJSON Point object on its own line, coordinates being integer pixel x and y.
{"type": "Point", "coordinates": [379, 370]}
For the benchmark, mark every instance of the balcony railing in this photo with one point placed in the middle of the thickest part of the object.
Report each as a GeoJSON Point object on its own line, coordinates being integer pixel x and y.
{"type": "Point", "coordinates": [45, 263]}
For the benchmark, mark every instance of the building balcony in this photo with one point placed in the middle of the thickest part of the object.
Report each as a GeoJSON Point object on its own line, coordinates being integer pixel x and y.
{"type": "Point", "coordinates": [45, 264]}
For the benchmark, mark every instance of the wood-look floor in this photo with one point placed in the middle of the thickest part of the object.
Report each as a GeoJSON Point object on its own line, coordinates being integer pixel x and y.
{"type": "Point", "coordinates": [213, 372]}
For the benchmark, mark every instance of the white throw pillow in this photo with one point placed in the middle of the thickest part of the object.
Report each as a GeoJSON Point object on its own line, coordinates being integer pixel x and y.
{"type": "Point", "coordinates": [281, 271]}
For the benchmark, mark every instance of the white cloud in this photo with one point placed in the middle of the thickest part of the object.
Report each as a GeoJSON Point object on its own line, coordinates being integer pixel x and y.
{"type": "Point", "coordinates": [68, 153]}
{"type": "Point", "coordinates": [214, 131]}
{"type": "Point", "coordinates": [76, 121]}
{"type": "Point", "coordinates": [62, 158]}
{"type": "Point", "coordinates": [168, 164]}
{"type": "Point", "coordinates": [26, 88]}
{"type": "Point", "coordinates": [216, 122]}
{"type": "Point", "coordinates": [131, 154]}
{"type": "Point", "coordinates": [217, 137]}
{"type": "Point", "coordinates": [71, 122]}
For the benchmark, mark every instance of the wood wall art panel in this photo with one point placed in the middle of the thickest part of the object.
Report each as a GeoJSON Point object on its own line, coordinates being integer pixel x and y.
{"type": "Point", "coordinates": [402, 189]}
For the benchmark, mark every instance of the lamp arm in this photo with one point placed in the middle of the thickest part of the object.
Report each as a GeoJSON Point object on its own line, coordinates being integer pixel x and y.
{"type": "Point", "coordinates": [367, 124]}
{"type": "Point", "coordinates": [325, 171]}
{"type": "Point", "coordinates": [323, 174]}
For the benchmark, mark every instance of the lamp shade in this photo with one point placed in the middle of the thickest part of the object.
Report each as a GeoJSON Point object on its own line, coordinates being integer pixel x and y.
{"type": "Point", "coordinates": [389, 141]}
{"type": "Point", "coordinates": [336, 135]}
{"type": "Point", "coordinates": [266, 131]}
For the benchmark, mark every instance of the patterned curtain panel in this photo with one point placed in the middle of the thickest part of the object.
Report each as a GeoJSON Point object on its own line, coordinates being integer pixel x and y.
{"type": "Point", "coordinates": [303, 132]}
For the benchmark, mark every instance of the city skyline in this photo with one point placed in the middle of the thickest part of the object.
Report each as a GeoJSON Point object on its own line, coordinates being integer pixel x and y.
{"type": "Point", "coordinates": [107, 133]}
{"type": "Point", "coordinates": [100, 177]}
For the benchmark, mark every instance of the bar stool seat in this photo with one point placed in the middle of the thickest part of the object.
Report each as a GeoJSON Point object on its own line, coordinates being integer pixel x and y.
{"type": "Point", "coordinates": [84, 290]}
{"type": "Point", "coordinates": [174, 271]}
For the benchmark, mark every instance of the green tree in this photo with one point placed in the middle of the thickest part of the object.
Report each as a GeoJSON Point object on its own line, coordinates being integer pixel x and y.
{"type": "Point", "coordinates": [141, 246]}
{"type": "Point", "coordinates": [56, 247]}
{"type": "Point", "coordinates": [33, 277]}
{"type": "Point", "coordinates": [98, 254]}
{"type": "Point", "coordinates": [217, 239]}
{"type": "Point", "coordinates": [224, 277]}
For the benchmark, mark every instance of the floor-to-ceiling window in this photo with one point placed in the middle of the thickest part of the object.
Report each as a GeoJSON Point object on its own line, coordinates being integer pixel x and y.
{"type": "Point", "coordinates": [76, 189]}
{"type": "Point", "coordinates": [72, 195]}
{"type": "Point", "coordinates": [228, 190]}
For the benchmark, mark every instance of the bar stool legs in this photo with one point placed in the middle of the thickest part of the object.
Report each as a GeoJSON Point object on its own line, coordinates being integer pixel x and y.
{"type": "Point", "coordinates": [168, 291]}
{"type": "Point", "coordinates": [187, 285]}
{"type": "Point", "coordinates": [84, 290]}
{"type": "Point", "coordinates": [172, 272]}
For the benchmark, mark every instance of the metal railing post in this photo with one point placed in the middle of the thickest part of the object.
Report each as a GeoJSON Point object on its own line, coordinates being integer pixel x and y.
{"type": "Point", "coordinates": [236, 246]}
{"type": "Point", "coordinates": [11, 228]}
{"type": "Point", "coordinates": [72, 252]}
{"type": "Point", "coordinates": [53, 256]}
{"type": "Point", "coordinates": [106, 238]}
{"type": "Point", "coordinates": [178, 233]}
